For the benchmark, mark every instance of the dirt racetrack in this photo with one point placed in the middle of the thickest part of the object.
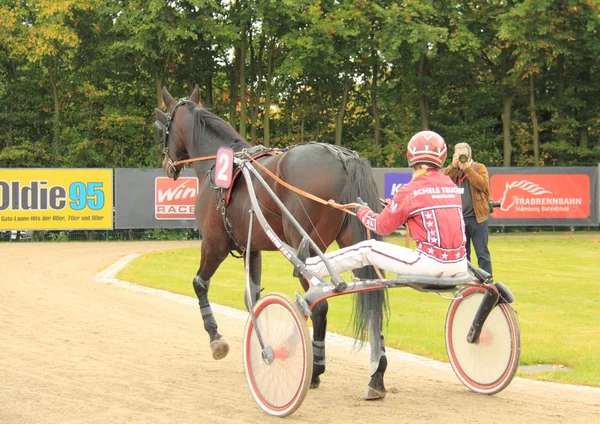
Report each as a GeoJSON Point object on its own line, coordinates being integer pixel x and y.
{"type": "Point", "coordinates": [74, 350]}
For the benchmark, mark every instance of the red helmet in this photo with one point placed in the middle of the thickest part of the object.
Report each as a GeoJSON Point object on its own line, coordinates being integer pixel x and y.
{"type": "Point", "coordinates": [426, 147]}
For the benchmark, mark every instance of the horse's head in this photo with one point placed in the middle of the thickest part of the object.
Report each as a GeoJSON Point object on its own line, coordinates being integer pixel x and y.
{"type": "Point", "coordinates": [174, 131]}
{"type": "Point", "coordinates": [507, 201]}
{"type": "Point", "coordinates": [190, 131]}
{"type": "Point", "coordinates": [517, 189]}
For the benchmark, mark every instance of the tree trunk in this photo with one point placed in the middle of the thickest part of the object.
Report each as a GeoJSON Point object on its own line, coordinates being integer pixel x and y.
{"type": "Point", "coordinates": [208, 98]}
{"type": "Point", "coordinates": [158, 86]}
{"type": "Point", "coordinates": [55, 122]}
{"type": "Point", "coordinates": [257, 89]}
{"type": "Point", "coordinates": [560, 97]}
{"type": "Point", "coordinates": [233, 90]}
{"type": "Point", "coordinates": [534, 122]}
{"type": "Point", "coordinates": [267, 115]}
{"type": "Point", "coordinates": [243, 108]}
{"type": "Point", "coordinates": [12, 72]}
{"type": "Point", "coordinates": [158, 80]}
{"type": "Point", "coordinates": [422, 86]}
{"type": "Point", "coordinates": [583, 137]}
{"type": "Point", "coordinates": [583, 114]}
{"type": "Point", "coordinates": [339, 121]}
{"type": "Point", "coordinates": [507, 102]}
{"type": "Point", "coordinates": [374, 79]}
{"type": "Point", "coordinates": [318, 125]}
{"type": "Point", "coordinates": [507, 99]}
{"type": "Point", "coordinates": [560, 84]}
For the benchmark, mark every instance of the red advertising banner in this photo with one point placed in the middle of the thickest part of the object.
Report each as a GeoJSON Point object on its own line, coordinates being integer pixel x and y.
{"type": "Point", "coordinates": [541, 196]}
{"type": "Point", "coordinates": [175, 199]}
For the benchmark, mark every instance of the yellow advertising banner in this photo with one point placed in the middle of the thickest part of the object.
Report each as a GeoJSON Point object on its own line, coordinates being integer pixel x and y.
{"type": "Point", "coordinates": [56, 199]}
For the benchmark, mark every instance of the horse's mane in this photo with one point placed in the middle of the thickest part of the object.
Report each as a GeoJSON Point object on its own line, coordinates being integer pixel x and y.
{"type": "Point", "coordinates": [209, 128]}
{"type": "Point", "coordinates": [529, 186]}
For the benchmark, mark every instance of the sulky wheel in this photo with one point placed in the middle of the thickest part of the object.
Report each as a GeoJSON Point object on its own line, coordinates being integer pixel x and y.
{"type": "Point", "coordinates": [488, 365]}
{"type": "Point", "coordinates": [279, 375]}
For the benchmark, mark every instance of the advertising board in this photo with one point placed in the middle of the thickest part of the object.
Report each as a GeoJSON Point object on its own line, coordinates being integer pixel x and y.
{"type": "Point", "coordinates": [56, 199]}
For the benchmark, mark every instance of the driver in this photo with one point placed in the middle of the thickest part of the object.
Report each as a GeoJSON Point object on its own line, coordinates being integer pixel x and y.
{"type": "Point", "coordinates": [431, 207]}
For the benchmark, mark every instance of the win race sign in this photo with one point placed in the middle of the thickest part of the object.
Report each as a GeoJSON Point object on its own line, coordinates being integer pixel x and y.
{"type": "Point", "coordinates": [175, 199]}
{"type": "Point", "coordinates": [56, 199]}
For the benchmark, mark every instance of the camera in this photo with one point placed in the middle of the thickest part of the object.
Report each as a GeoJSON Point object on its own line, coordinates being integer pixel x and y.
{"type": "Point", "coordinates": [463, 158]}
{"type": "Point", "coordinates": [493, 205]}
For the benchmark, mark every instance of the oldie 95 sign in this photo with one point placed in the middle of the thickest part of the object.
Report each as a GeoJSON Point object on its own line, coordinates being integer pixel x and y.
{"type": "Point", "coordinates": [56, 199]}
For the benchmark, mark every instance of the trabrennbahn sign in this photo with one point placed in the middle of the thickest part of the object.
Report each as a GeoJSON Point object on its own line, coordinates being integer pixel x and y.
{"type": "Point", "coordinates": [545, 196]}
{"type": "Point", "coordinates": [529, 196]}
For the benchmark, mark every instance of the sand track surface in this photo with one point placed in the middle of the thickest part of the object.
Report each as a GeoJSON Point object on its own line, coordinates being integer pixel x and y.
{"type": "Point", "coordinates": [74, 350]}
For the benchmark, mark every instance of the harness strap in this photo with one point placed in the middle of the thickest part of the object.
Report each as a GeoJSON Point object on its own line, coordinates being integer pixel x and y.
{"type": "Point", "coordinates": [241, 249]}
{"type": "Point", "coordinates": [344, 208]}
{"type": "Point", "coordinates": [329, 202]}
{"type": "Point", "coordinates": [303, 193]}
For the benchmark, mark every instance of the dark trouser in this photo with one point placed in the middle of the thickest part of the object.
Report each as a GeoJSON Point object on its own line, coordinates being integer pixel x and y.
{"type": "Point", "coordinates": [477, 233]}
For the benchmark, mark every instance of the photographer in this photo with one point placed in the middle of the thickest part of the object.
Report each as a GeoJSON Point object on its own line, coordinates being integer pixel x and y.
{"type": "Point", "coordinates": [474, 179]}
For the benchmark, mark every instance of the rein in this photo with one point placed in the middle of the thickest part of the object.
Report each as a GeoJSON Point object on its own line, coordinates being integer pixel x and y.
{"type": "Point", "coordinates": [344, 208]}
{"type": "Point", "coordinates": [183, 162]}
{"type": "Point", "coordinates": [330, 202]}
{"type": "Point", "coordinates": [303, 193]}
{"type": "Point", "coordinates": [164, 126]}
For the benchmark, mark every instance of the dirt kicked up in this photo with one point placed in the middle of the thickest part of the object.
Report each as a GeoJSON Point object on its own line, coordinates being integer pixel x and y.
{"type": "Point", "coordinates": [74, 350]}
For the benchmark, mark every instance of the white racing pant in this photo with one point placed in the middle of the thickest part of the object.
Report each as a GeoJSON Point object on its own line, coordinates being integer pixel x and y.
{"type": "Point", "coordinates": [386, 256]}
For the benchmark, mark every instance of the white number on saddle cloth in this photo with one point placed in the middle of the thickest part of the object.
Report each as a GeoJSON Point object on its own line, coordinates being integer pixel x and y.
{"type": "Point", "coordinates": [224, 167]}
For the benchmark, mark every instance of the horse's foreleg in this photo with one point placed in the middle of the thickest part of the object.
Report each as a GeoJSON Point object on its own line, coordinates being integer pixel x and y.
{"type": "Point", "coordinates": [201, 283]}
{"type": "Point", "coordinates": [376, 388]}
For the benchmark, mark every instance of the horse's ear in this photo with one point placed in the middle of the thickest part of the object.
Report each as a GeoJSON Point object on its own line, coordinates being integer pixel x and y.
{"type": "Point", "coordinates": [160, 116]}
{"type": "Point", "coordinates": [195, 96]}
{"type": "Point", "coordinates": [168, 99]}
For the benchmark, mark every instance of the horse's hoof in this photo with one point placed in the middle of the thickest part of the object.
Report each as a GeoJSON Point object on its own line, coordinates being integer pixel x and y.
{"type": "Point", "coordinates": [374, 394]}
{"type": "Point", "coordinates": [220, 348]}
{"type": "Point", "coordinates": [315, 384]}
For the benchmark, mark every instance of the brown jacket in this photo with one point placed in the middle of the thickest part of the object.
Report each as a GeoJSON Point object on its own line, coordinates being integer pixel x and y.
{"type": "Point", "coordinates": [479, 180]}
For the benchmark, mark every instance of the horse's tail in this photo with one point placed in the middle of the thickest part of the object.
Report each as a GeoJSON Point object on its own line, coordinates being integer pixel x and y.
{"type": "Point", "coordinates": [372, 304]}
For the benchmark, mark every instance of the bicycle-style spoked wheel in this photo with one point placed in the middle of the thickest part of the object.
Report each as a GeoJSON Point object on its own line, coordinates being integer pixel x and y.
{"type": "Point", "coordinates": [488, 365]}
{"type": "Point", "coordinates": [279, 376]}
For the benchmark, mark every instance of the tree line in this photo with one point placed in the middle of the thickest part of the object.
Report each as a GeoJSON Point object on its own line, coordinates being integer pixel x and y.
{"type": "Point", "coordinates": [517, 80]}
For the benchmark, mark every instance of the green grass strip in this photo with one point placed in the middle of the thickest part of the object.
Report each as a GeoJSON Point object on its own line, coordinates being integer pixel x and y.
{"type": "Point", "coordinates": [556, 282]}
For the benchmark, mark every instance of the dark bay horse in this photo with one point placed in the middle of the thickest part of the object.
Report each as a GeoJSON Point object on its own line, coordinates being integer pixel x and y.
{"type": "Point", "coordinates": [325, 171]}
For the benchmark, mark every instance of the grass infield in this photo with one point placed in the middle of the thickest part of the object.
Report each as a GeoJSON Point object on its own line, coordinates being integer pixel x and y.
{"type": "Point", "coordinates": [556, 282]}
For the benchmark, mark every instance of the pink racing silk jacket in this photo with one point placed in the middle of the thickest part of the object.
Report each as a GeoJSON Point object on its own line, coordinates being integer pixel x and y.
{"type": "Point", "coordinates": [431, 207]}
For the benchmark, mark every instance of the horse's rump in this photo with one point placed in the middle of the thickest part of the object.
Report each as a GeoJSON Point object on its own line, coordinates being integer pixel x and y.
{"type": "Point", "coordinates": [330, 172]}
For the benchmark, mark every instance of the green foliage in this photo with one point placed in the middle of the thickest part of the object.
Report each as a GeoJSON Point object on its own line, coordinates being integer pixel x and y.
{"type": "Point", "coordinates": [79, 79]}
{"type": "Point", "coordinates": [562, 153]}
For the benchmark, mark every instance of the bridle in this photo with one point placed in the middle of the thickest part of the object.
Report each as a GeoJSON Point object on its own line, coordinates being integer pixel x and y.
{"type": "Point", "coordinates": [164, 130]}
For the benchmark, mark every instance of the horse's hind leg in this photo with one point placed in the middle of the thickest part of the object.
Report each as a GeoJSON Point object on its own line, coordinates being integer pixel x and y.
{"type": "Point", "coordinates": [210, 259]}
{"type": "Point", "coordinates": [319, 320]}
{"type": "Point", "coordinates": [372, 306]}
{"type": "Point", "coordinates": [376, 389]}
{"type": "Point", "coordinates": [255, 269]}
